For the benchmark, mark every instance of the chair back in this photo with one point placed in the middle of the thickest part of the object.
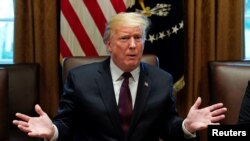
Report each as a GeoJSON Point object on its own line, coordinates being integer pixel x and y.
{"type": "Point", "coordinates": [3, 104]}
{"type": "Point", "coordinates": [228, 84]}
{"type": "Point", "coordinates": [23, 88]}
{"type": "Point", "coordinates": [71, 62]}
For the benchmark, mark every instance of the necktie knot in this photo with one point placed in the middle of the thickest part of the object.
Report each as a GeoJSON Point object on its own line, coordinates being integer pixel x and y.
{"type": "Point", "coordinates": [126, 75]}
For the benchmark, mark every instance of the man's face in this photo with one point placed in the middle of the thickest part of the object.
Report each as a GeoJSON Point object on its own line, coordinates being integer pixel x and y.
{"type": "Point", "coordinates": [126, 47]}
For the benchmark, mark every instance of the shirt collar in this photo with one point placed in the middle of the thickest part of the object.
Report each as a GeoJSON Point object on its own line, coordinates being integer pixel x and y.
{"type": "Point", "coordinates": [116, 72]}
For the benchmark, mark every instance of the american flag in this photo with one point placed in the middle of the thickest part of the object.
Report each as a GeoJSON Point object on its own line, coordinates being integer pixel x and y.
{"type": "Point", "coordinates": [83, 23]}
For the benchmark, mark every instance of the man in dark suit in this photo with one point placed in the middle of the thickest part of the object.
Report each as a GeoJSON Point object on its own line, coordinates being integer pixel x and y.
{"type": "Point", "coordinates": [244, 116]}
{"type": "Point", "coordinates": [90, 105]}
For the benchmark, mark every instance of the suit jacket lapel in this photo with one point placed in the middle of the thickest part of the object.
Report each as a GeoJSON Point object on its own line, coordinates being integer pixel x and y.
{"type": "Point", "coordinates": [141, 97]}
{"type": "Point", "coordinates": [105, 84]}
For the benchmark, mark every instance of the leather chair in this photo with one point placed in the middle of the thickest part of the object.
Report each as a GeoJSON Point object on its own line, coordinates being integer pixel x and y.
{"type": "Point", "coordinates": [3, 104]}
{"type": "Point", "coordinates": [228, 84]}
{"type": "Point", "coordinates": [71, 62]}
{"type": "Point", "coordinates": [23, 94]}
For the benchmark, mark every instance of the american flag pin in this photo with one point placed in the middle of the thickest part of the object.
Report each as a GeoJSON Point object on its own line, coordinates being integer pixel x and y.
{"type": "Point", "coordinates": [146, 84]}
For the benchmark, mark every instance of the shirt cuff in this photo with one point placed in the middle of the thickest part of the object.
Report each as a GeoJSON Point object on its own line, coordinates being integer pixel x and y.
{"type": "Point", "coordinates": [55, 136]}
{"type": "Point", "coordinates": [187, 134]}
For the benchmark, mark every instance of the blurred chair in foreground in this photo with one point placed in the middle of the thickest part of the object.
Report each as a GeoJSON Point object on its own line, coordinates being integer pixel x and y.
{"type": "Point", "coordinates": [228, 84]}
{"type": "Point", "coordinates": [4, 105]}
{"type": "Point", "coordinates": [23, 94]}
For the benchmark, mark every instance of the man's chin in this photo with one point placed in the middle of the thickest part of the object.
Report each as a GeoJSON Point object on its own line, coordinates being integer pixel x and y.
{"type": "Point", "coordinates": [132, 64]}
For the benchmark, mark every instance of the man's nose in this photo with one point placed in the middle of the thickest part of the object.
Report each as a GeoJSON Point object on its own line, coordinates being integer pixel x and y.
{"type": "Point", "coordinates": [132, 43]}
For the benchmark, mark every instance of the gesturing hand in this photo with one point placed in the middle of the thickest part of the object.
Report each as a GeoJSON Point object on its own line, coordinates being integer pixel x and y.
{"type": "Point", "coordinates": [41, 126]}
{"type": "Point", "coordinates": [198, 119]}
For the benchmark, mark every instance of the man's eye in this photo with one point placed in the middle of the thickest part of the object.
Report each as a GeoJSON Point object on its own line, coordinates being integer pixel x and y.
{"type": "Point", "coordinates": [124, 38]}
{"type": "Point", "coordinates": [137, 37]}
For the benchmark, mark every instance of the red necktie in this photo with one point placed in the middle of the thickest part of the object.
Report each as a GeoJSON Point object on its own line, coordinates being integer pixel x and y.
{"type": "Point", "coordinates": [125, 103]}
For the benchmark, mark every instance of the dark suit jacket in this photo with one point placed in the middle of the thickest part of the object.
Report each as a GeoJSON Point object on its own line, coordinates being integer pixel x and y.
{"type": "Point", "coordinates": [88, 109]}
{"type": "Point", "coordinates": [244, 116]}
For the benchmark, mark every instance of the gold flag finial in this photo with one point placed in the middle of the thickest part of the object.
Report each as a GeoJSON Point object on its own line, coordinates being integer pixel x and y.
{"type": "Point", "coordinates": [145, 10]}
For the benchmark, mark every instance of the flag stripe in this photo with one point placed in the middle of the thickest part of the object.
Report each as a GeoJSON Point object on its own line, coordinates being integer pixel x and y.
{"type": "Point", "coordinates": [69, 38]}
{"type": "Point", "coordinates": [64, 48]}
{"type": "Point", "coordinates": [78, 29]}
{"type": "Point", "coordinates": [83, 23]}
{"type": "Point", "coordinates": [96, 13]}
{"type": "Point", "coordinates": [107, 9]}
{"type": "Point", "coordinates": [90, 27]}
{"type": "Point", "coordinates": [118, 5]}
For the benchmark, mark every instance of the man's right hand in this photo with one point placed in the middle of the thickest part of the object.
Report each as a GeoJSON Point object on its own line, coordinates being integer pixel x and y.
{"type": "Point", "coordinates": [41, 126]}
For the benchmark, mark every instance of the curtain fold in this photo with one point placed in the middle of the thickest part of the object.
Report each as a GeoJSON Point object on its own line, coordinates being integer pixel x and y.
{"type": "Point", "coordinates": [213, 31]}
{"type": "Point", "coordinates": [36, 41]}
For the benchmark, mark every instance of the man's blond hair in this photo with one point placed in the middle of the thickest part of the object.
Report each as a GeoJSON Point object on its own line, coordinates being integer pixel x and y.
{"type": "Point", "coordinates": [129, 19]}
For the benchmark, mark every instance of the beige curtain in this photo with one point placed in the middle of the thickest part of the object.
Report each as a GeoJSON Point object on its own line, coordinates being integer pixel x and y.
{"type": "Point", "coordinates": [214, 31]}
{"type": "Point", "coordinates": [36, 41]}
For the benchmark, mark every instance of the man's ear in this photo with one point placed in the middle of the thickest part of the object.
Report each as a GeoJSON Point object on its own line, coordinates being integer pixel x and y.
{"type": "Point", "coordinates": [108, 45]}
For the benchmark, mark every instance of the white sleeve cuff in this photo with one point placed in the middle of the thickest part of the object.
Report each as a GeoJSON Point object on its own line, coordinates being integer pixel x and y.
{"type": "Point", "coordinates": [187, 134]}
{"type": "Point", "coordinates": [55, 136]}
